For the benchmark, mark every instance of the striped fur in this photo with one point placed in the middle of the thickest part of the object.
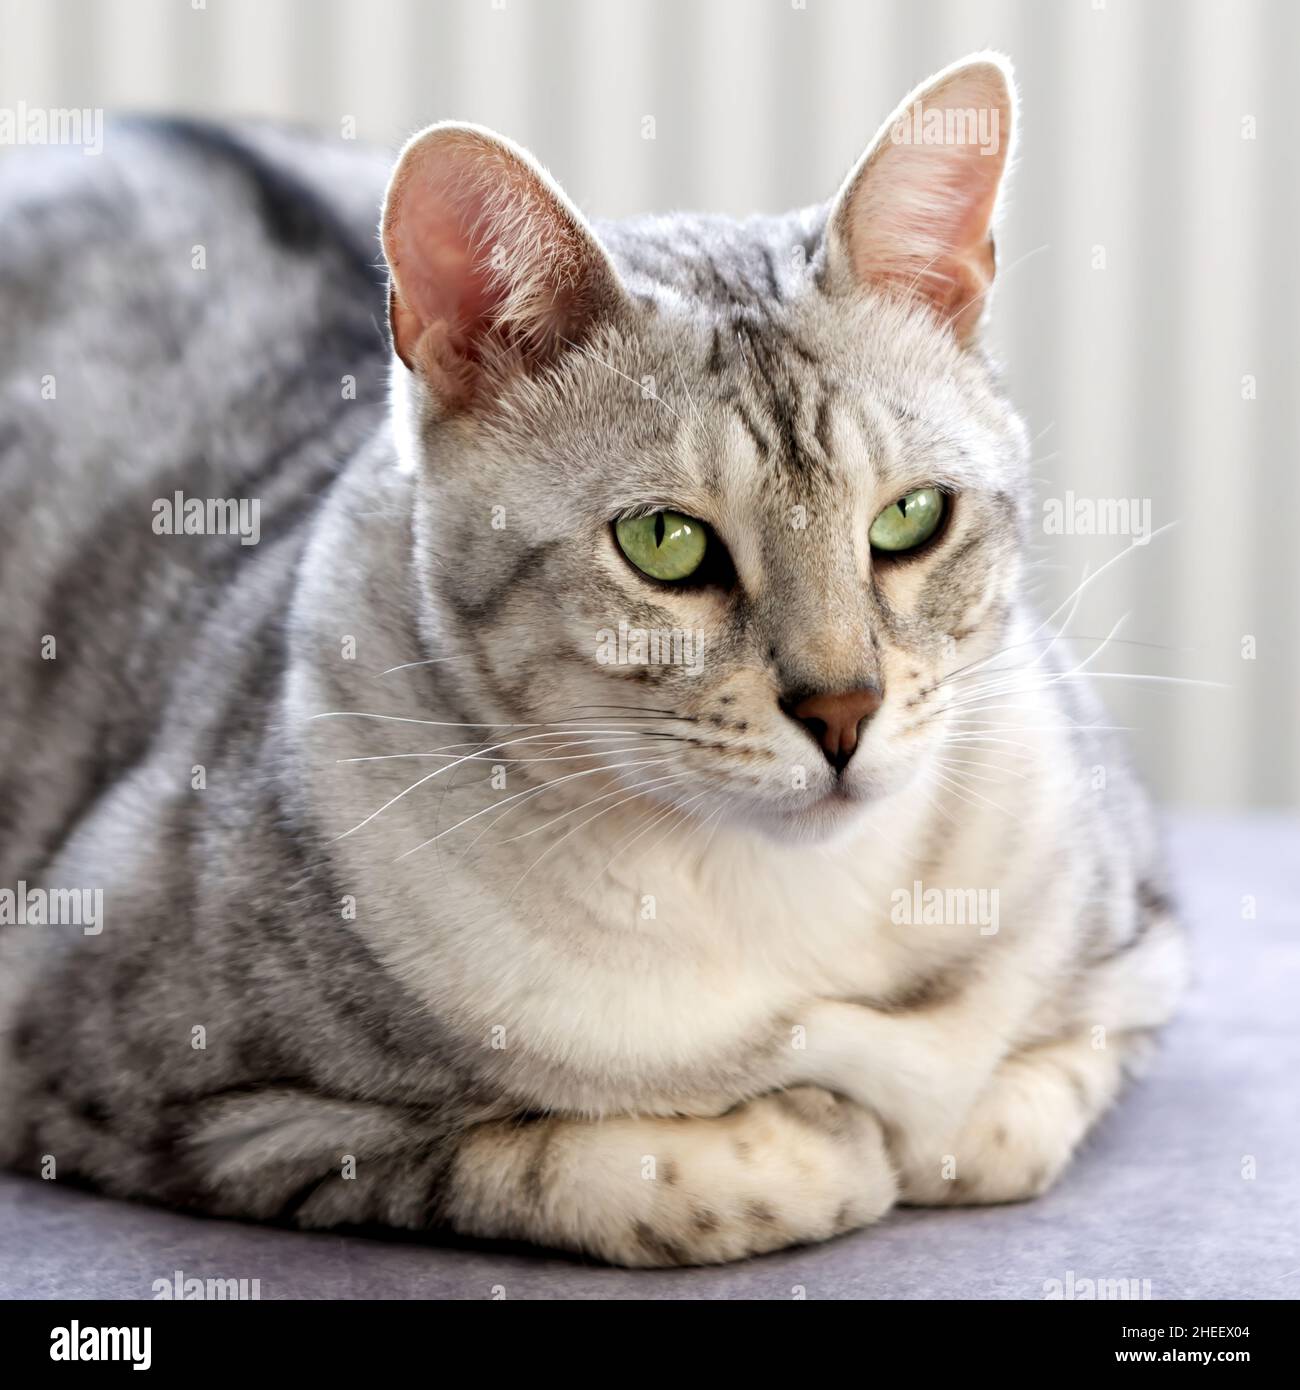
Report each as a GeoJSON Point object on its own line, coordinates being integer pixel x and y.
{"type": "Point", "coordinates": [464, 928]}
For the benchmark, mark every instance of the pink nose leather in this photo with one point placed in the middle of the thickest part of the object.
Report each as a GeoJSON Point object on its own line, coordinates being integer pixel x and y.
{"type": "Point", "coordinates": [834, 720]}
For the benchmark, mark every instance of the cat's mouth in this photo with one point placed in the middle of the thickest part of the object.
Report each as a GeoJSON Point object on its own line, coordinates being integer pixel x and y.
{"type": "Point", "coordinates": [840, 794]}
{"type": "Point", "coordinates": [830, 812]}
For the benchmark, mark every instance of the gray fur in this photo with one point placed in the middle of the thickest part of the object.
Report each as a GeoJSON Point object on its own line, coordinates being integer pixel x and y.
{"type": "Point", "coordinates": [328, 1037]}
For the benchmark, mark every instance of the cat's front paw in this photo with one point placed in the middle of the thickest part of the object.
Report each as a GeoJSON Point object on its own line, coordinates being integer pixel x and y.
{"type": "Point", "coordinates": [1019, 1136]}
{"type": "Point", "coordinates": [785, 1169]}
{"type": "Point", "coordinates": [988, 1163]}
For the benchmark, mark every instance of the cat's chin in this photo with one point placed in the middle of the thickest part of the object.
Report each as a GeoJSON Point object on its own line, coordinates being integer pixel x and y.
{"type": "Point", "coordinates": [824, 819]}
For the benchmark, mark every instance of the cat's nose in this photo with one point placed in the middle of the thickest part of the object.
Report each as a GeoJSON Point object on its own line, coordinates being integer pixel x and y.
{"type": "Point", "coordinates": [834, 720]}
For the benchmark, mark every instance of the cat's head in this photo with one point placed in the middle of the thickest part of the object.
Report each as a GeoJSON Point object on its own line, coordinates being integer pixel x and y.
{"type": "Point", "coordinates": [713, 506]}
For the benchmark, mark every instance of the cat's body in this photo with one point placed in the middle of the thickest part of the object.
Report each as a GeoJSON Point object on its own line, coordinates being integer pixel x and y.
{"type": "Point", "coordinates": [600, 1014]}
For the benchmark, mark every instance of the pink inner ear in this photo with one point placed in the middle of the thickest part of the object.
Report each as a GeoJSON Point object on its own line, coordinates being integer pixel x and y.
{"type": "Point", "coordinates": [491, 270]}
{"type": "Point", "coordinates": [969, 193]}
{"type": "Point", "coordinates": [918, 215]}
{"type": "Point", "coordinates": [442, 278]}
{"type": "Point", "coordinates": [926, 226]}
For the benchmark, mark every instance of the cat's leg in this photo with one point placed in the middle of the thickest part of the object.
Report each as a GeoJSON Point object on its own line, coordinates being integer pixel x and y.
{"type": "Point", "coordinates": [788, 1168]}
{"type": "Point", "coordinates": [1024, 1127]}
{"type": "Point", "coordinates": [295, 1156]}
{"type": "Point", "coordinates": [1039, 1101]}
{"type": "Point", "coordinates": [965, 1120]}
{"type": "Point", "coordinates": [971, 1116]}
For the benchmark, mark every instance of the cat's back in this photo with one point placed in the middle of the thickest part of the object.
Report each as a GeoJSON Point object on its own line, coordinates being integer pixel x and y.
{"type": "Point", "coordinates": [192, 319]}
{"type": "Point", "coordinates": [163, 299]}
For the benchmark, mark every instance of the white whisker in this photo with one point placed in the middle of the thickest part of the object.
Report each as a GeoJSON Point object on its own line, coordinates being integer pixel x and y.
{"type": "Point", "coordinates": [528, 791]}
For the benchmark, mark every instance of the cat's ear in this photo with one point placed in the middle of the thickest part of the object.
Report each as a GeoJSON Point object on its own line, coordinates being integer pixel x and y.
{"type": "Point", "coordinates": [493, 271]}
{"type": "Point", "coordinates": [916, 214]}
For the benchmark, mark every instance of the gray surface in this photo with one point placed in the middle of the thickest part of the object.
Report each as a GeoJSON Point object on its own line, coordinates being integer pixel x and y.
{"type": "Point", "coordinates": [1158, 1195]}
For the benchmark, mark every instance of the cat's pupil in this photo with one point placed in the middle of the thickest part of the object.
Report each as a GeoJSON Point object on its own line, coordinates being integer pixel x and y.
{"type": "Point", "coordinates": [659, 529]}
{"type": "Point", "coordinates": [902, 505]}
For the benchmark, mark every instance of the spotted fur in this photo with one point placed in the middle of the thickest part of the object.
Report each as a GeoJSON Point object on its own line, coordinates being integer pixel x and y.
{"type": "Point", "coordinates": [463, 928]}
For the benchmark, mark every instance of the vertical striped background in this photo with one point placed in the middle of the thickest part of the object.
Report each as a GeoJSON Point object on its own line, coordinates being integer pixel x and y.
{"type": "Point", "coordinates": [1135, 149]}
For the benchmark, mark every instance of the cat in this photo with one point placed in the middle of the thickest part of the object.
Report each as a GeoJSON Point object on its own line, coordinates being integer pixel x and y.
{"type": "Point", "coordinates": [623, 801]}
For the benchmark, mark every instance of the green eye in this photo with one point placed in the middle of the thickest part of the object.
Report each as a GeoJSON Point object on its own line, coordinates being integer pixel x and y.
{"type": "Point", "coordinates": [910, 521]}
{"type": "Point", "coordinates": [664, 545]}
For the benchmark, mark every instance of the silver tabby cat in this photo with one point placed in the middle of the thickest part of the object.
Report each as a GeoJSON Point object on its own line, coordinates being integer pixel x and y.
{"type": "Point", "coordinates": [622, 800]}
